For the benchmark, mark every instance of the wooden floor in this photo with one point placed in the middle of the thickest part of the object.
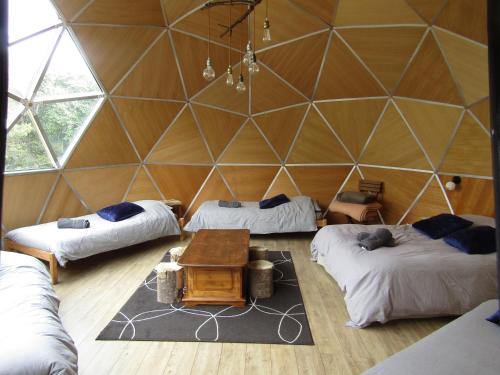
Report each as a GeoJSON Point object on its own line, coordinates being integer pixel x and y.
{"type": "Point", "coordinates": [93, 290]}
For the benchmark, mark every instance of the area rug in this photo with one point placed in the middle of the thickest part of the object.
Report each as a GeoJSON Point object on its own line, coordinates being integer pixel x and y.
{"type": "Point", "coordinates": [280, 319]}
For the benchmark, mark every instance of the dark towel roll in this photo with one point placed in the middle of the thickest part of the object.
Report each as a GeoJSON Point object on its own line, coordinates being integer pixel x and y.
{"type": "Point", "coordinates": [380, 238]}
{"type": "Point", "coordinates": [230, 204]}
{"type": "Point", "coordinates": [274, 201]}
{"type": "Point", "coordinates": [66, 223]}
{"type": "Point", "coordinates": [356, 197]}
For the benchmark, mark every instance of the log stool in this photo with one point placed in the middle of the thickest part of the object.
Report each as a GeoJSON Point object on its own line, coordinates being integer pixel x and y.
{"type": "Point", "coordinates": [260, 278]}
{"type": "Point", "coordinates": [258, 253]}
{"type": "Point", "coordinates": [168, 281]}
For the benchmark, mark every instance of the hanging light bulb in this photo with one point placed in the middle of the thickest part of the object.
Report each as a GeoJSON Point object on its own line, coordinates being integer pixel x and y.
{"type": "Point", "coordinates": [209, 72]}
{"type": "Point", "coordinates": [247, 58]}
{"type": "Point", "coordinates": [240, 87]}
{"type": "Point", "coordinates": [267, 31]}
{"type": "Point", "coordinates": [229, 78]}
{"type": "Point", "coordinates": [253, 68]}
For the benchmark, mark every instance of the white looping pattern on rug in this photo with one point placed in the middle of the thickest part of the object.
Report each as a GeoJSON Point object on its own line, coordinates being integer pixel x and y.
{"type": "Point", "coordinates": [287, 317]}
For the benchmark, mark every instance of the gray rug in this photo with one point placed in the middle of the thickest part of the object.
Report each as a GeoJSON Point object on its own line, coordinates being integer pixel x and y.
{"type": "Point", "coordinates": [280, 319]}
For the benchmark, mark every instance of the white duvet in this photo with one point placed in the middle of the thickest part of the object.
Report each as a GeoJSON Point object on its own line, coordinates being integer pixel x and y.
{"type": "Point", "coordinates": [298, 215]}
{"type": "Point", "coordinates": [420, 277]}
{"type": "Point", "coordinates": [156, 221]}
{"type": "Point", "coordinates": [32, 338]}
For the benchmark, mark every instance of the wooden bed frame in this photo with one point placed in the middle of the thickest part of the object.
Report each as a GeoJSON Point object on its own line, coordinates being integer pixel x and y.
{"type": "Point", "coordinates": [48, 256]}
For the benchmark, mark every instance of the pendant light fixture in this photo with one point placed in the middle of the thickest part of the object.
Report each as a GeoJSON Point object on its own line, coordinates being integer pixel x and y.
{"type": "Point", "coordinates": [247, 58]}
{"type": "Point", "coordinates": [240, 87]}
{"type": "Point", "coordinates": [253, 67]}
{"type": "Point", "coordinates": [209, 72]}
{"type": "Point", "coordinates": [267, 31]}
{"type": "Point", "coordinates": [229, 77]}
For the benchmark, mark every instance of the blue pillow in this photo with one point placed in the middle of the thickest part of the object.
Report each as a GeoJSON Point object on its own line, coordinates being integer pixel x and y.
{"type": "Point", "coordinates": [475, 240]}
{"type": "Point", "coordinates": [120, 211]}
{"type": "Point", "coordinates": [441, 225]}
{"type": "Point", "coordinates": [274, 201]}
{"type": "Point", "coordinates": [495, 318]}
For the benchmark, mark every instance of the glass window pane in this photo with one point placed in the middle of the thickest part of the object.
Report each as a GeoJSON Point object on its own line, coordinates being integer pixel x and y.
{"type": "Point", "coordinates": [27, 17]}
{"type": "Point", "coordinates": [63, 121]}
{"type": "Point", "coordinates": [14, 108]}
{"type": "Point", "coordinates": [68, 73]}
{"type": "Point", "coordinates": [27, 60]}
{"type": "Point", "coordinates": [24, 148]}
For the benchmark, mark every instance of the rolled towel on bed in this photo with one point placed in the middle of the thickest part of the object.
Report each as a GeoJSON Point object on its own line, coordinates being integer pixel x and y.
{"type": "Point", "coordinates": [380, 238]}
{"type": "Point", "coordinates": [65, 223]}
{"type": "Point", "coordinates": [230, 204]}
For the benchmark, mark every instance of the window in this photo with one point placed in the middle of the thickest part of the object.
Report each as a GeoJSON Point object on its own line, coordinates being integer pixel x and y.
{"type": "Point", "coordinates": [52, 92]}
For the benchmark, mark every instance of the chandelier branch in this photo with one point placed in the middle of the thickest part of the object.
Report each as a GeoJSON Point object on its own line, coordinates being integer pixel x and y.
{"type": "Point", "coordinates": [229, 29]}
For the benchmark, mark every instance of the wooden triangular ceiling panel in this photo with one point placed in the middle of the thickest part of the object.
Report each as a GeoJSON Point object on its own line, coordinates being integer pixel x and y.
{"type": "Point", "coordinates": [393, 145]}
{"type": "Point", "coordinates": [465, 17]}
{"type": "Point", "coordinates": [470, 152]}
{"type": "Point", "coordinates": [123, 12]}
{"type": "Point", "coordinates": [155, 76]}
{"type": "Point", "coordinates": [113, 50]}
{"type": "Point", "coordinates": [482, 111]}
{"type": "Point", "coordinates": [428, 9]}
{"type": "Point", "coordinates": [386, 51]}
{"type": "Point", "coordinates": [316, 143]}
{"type": "Point", "coordinates": [192, 55]}
{"type": "Point", "coordinates": [353, 120]}
{"type": "Point", "coordinates": [179, 181]}
{"type": "Point", "coordinates": [249, 147]}
{"type": "Point", "coordinates": [428, 76]}
{"type": "Point", "coordinates": [320, 8]}
{"type": "Point", "coordinates": [249, 183]}
{"type": "Point", "coordinates": [296, 23]}
{"type": "Point", "coordinates": [142, 188]}
{"type": "Point", "coordinates": [468, 62]}
{"type": "Point", "coordinates": [146, 120]}
{"type": "Point", "coordinates": [182, 143]}
{"type": "Point", "coordinates": [219, 127]}
{"type": "Point", "coordinates": [63, 203]}
{"type": "Point", "coordinates": [431, 202]}
{"type": "Point", "coordinates": [24, 197]}
{"type": "Point", "coordinates": [400, 190]}
{"type": "Point", "coordinates": [473, 195]}
{"type": "Point", "coordinates": [104, 143]}
{"type": "Point", "coordinates": [298, 62]}
{"type": "Point", "coordinates": [380, 12]}
{"type": "Point", "coordinates": [320, 183]}
{"type": "Point", "coordinates": [282, 185]}
{"type": "Point", "coordinates": [69, 8]}
{"type": "Point", "coordinates": [343, 76]}
{"type": "Point", "coordinates": [101, 187]}
{"type": "Point", "coordinates": [176, 9]}
{"type": "Point", "coordinates": [280, 127]}
{"type": "Point", "coordinates": [214, 189]}
{"type": "Point", "coordinates": [270, 92]}
{"type": "Point", "coordinates": [433, 125]}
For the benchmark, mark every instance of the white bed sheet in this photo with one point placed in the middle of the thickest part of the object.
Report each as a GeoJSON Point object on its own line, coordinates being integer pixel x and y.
{"type": "Point", "coordinates": [156, 221]}
{"type": "Point", "coordinates": [420, 277]}
{"type": "Point", "coordinates": [296, 216]}
{"type": "Point", "coordinates": [32, 337]}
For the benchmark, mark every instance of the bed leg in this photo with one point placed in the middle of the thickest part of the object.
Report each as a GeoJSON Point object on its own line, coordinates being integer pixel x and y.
{"type": "Point", "coordinates": [53, 269]}
{"type": "Point", "coordinates": [182, 222]}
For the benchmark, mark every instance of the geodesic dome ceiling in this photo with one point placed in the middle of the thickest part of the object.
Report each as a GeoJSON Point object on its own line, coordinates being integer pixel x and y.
{"type": "Point", "coordinates": [392, 90]}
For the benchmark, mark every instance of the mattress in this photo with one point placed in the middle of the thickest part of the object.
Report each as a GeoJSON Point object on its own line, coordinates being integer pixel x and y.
{"type": "Point", "coordinates": [298, 215]}
{"type": "Point", "coordinates": [468, 345]}
{"type": "Point", "coordinates": [32, 338]}
{"type": "Point", "coordinates": [420, 277]}
{"type": "Point", "coordinates": [156, 221]}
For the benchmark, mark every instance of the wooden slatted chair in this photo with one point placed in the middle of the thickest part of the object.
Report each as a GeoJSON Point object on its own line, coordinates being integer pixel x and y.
{"type": "Point", "coordinates": [361, 213]}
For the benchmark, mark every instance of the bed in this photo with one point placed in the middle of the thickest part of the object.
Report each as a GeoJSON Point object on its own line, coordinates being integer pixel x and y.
{"type": "Point", "coordinates": [33, 340]}
{"type": "Point", "coordinates": [420, 277]}
{"type": "Point", "coordinates": [298, 215]}
{"type": "Point", "coordinates": [468, 345]}
{"type": "Point", "coordinates": [47, 242]}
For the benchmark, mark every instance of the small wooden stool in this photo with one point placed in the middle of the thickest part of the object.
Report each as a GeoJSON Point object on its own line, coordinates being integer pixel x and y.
{"type": "Point", "coordinates": [260, 278]}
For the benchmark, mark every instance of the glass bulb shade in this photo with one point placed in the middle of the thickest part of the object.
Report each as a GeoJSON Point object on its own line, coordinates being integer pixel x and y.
{"type": "Point", "coordinates": [253, 68]}
{"type": "Point", "coordinates": [240, 87]}
{"type": "Point", "coordinates": [209, 72]}
{"type": "Point", "coordinates": [229, 77]}
{"type": "Point", "coordinates": [247, 58]}
{"type": "Point", "coordinates": [267, 31]}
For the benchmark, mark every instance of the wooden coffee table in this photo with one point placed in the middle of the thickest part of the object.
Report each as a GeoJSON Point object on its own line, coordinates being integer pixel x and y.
{"type": "Point", "coordinates": [214, 265]}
